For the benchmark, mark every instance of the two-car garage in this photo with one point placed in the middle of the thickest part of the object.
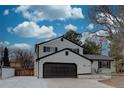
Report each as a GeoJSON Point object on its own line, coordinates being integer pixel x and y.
{"type": "Point", "coordinates": [59, 70]}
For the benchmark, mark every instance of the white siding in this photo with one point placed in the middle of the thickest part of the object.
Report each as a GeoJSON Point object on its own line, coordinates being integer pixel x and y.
{"type": "Point", "coordinates": [60, 45]}
{"type": "Point", "coordinates": [113, 66]}
{"type": "Point", "coordinates": [102, 70]}
{"type": "Point", "coordinates": [94, 66]}
{"type": "Point", "coordinates": [105, 71]}
{"type": "Point", "coordinates": [7, 73]}
{"type": "Point", "coordinates": [83, 65]}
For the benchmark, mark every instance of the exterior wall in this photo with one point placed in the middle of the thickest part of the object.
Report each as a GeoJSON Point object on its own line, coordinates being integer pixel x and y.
{"type": "Point", "coordinates": [94, 67]}
{"type": "Point", "coordinates": [102, 70]}
{"type": "Point", "coordinates": [113, 69]}
{"type": "Point", "coordinates": [83, 65]}
{"type": "Point", "coordinates": [107, 70]}
{"type": "Point", "coordinates": [60, 45]}
{"type": "Point", "coordinates": [7, 72]}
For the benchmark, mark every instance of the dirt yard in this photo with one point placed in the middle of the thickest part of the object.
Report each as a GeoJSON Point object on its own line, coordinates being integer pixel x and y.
{"type": "Point", "coordinates": [115, 81]}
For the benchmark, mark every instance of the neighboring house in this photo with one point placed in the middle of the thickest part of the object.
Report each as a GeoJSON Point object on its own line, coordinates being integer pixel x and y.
{"type": "Point", "coordinates": [61, 57]}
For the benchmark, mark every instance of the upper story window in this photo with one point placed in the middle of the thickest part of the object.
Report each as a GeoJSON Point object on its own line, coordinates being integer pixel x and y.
{"type": "Point", "coordinates": [75, 50]}
{"type": "Point", "coordinates": [49, 49]}
{"type": "Point", "coordinates": [66, 53]}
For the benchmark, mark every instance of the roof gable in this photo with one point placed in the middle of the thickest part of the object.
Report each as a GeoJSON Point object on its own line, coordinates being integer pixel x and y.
{"type": "Point", "coordinates": [61, 51]}
{"type": "Point", "coordinates": [49, 40]}
{"type": "Point", "coordinates": [58, 38]}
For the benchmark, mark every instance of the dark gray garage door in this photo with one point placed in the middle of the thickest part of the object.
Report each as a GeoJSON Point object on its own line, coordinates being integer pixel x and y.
{"type": "Point", "coordinates": [59, 70]}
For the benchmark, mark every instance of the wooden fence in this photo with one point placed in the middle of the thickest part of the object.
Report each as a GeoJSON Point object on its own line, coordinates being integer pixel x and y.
{"type": "Point", "coordinates": [24, 72]}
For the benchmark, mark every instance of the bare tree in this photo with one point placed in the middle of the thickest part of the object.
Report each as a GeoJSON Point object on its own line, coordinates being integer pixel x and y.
{"type": "Point", "coordinates": [24, 57]}
{"type": "Point", "coordinates": [109, 17]}
{"type": "Point", "coordinates": [28, 60]}
{"type": "Point", "coordinates": [111, 20]}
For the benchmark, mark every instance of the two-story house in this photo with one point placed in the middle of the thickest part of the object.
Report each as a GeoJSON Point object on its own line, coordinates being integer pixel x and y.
{"type": "Point", "coordinates": [60, 58]}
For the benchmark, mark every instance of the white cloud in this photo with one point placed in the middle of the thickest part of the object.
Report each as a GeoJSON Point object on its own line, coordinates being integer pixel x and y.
{"type": "Point", "coordinates": [6, 12]}
{"type": "Point", "coordinates": [21, 46]}
{"type": "Point", "coordinates": [102, 33]}
{"type": "Point", "coordinates": [4, 43]}
{"type": "Point", "coordinates": [93, 36]}
{"type": "Point", "coordinates": [15, 45]}
{"type": "Point", "coordinates": [49, 12]}
{"type": "Point", "coordinates": [86, 35]}
{"type": "Point", "coordinates": [70, 27]}
{"type": "Point", "coordinates": [90, 26]}
{"type": "Point", "coordinates": [31, 29]}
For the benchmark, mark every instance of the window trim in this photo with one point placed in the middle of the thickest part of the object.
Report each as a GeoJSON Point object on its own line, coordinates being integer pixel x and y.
{"type": "Point", "coordinates": [66, 53]}
{"type": "Point", "coordinates": [106, 65]}
{"type": "Point", "coordinates": [50, 49]}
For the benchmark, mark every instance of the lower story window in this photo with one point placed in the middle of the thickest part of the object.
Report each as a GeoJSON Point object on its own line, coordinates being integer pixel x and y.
{"type": "Point", "coordinates": [104, 64]}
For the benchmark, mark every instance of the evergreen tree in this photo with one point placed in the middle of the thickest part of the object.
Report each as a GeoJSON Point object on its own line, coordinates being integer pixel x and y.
{"type": "Point", "coordinates": [91, 48]}
{"type": "Point", "coordinates": [73, 36]}
{"type": "Point", "coordinates": [6, 57]}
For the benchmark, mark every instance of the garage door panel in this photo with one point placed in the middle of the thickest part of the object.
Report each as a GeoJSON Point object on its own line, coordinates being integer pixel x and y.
{"type": "Point", "coordinates": [59, 70]}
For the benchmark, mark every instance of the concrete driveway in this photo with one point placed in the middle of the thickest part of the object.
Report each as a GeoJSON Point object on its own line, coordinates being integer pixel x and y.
{"type": "Point", "coordinates": [33, 82]}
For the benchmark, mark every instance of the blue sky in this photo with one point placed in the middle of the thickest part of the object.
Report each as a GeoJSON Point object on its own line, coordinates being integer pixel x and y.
{"type": "Point", "coordinates": [32, 24]}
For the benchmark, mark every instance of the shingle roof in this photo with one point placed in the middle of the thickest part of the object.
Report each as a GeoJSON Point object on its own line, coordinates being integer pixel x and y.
{"type": "Point", "coordinates": [98, 57]}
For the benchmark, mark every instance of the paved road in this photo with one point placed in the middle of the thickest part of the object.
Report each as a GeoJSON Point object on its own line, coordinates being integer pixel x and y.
{"type": "Point", "coordinates": [33, 82]}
